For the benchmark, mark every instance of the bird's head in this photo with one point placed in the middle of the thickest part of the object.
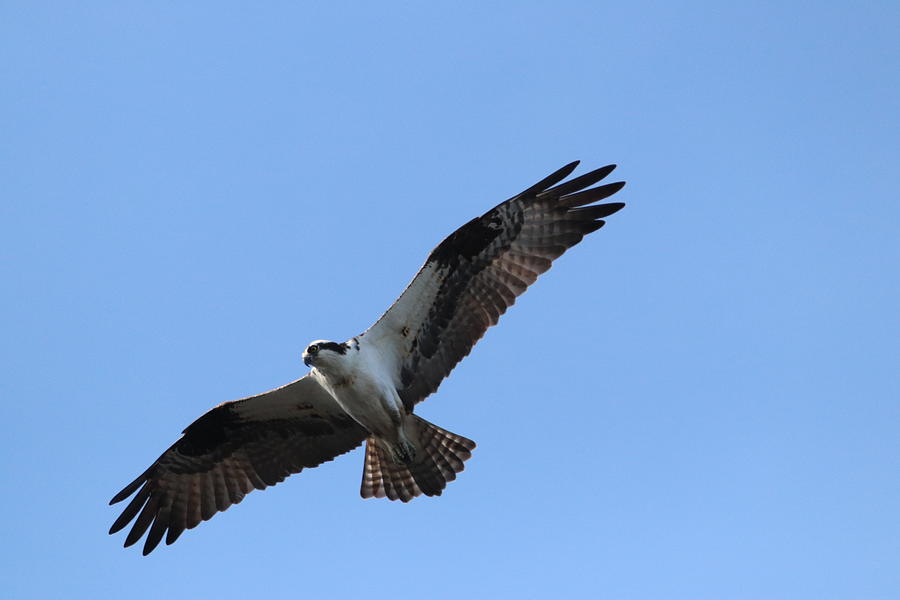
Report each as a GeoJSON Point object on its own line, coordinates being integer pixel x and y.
{"type": "Point", "coordinates": [322, 353]}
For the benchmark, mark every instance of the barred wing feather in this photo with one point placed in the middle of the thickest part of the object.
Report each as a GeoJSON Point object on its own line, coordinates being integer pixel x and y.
{"type": "Point", "coordinates": [476, 273]}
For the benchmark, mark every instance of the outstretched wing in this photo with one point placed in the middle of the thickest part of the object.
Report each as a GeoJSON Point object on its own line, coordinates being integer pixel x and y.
{"type": "Point", "coordinates": [234, 448]}
{"type": "Point", "coordinates": [474, 275]}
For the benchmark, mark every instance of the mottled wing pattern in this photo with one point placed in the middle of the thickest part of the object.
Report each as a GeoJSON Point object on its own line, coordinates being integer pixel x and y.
{"type": "Point", "coordinates": [234, 448]}
{"type": "Point", "coordinates": [474, 275]}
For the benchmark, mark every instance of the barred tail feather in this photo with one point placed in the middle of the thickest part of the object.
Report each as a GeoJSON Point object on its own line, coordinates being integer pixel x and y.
{"type": "Point", "coordinates": [439, 456]}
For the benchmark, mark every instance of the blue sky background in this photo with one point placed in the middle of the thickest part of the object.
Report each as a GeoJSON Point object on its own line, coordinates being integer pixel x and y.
{"type": "Point", "coordinates": [700, 401]}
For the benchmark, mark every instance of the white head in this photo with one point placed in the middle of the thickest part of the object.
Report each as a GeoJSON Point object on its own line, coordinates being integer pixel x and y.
{"type": "Point", "coordinates": [322, 353]}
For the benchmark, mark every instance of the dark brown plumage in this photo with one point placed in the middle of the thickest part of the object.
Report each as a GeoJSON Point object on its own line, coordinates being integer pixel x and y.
{"type": "Point", "coordinates": [442, 457]}
{"type": "Point", "coordinates": [476, 273]}
{"type": "Point", "coordinates": [468, 281]}
{"type": "Point", "coordinates": [233, 449]}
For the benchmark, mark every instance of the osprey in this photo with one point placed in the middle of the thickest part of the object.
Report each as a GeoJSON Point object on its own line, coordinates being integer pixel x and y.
{"type": "Point", "coordinates": [365, 389]}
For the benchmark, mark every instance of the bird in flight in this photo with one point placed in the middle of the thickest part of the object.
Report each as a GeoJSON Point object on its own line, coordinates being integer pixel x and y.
{"type": "Point", "coordinates": [365, 389]}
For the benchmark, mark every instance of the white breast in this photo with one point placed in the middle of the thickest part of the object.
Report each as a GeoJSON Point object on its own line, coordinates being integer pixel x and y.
{"type": "Point", "coordinates": [363, 388]}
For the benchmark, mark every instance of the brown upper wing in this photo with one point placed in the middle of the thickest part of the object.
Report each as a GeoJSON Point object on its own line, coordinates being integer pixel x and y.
{"type": "Point", "coordinates": [474, 275]}
{"type": "Point", "coordinates": [234, 448]}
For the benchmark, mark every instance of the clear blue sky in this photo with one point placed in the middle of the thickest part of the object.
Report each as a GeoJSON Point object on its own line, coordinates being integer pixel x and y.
{"type": "Point", "coordinates": [700, 401]}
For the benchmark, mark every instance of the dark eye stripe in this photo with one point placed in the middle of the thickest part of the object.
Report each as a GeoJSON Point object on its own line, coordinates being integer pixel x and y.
{"type": "Point", "coordinates": [334, 347]}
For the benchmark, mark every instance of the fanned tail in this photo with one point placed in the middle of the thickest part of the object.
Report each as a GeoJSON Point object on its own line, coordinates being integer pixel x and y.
{"type": "Point", "coordinates": [439, 456]}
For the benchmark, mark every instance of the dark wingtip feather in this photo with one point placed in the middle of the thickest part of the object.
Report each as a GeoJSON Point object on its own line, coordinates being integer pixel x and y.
{"type": "Point", "coordinates": [567, 169]}
{"type": "Point", "coordinates": [594, 226]}
{"type": "Point", "coordinates": [597, 211]}
{"type": "Point", "coordinates": [603, 172]}
{"type": "Point", "coordinates": [551, 179]}
{"type": "Point", "coordinates": [131, 510]}
{"type": "Point", "coordinates": [579, 183]}
{"type": "Point", "coordinates": [614, 207]}
{"type": "Point", "coordinates": [605, 210]}
{"type": "Point", "coordinates": [128, 490]}
{"type": "Point", "coordinates": [143, 521]}
{"type": "Point", "coordinates": [591, 195]}
{"type": "Point", "coordinates": [157, 530]}
{"type": "Point", "coordinates": [172, 535]}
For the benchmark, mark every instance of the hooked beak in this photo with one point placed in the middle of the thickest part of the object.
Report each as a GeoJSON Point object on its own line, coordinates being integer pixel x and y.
{"type": "Point", "coordinates": [307, 360]}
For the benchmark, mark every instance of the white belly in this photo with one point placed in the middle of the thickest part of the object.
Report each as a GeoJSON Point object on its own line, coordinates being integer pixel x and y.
{"type": "Point", "coordinates": [371, 401]}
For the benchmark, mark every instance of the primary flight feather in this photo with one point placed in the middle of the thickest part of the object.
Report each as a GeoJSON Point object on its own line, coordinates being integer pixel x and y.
{"type": "Point", "coordinates": [365, 389]}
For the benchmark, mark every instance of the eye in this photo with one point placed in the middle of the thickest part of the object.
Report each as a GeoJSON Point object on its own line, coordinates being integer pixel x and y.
{"type": "Point", "coordinates": [313, 349]}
